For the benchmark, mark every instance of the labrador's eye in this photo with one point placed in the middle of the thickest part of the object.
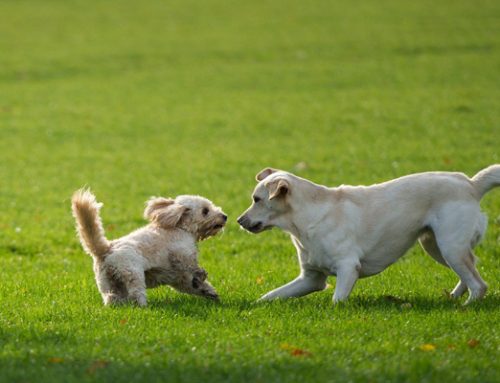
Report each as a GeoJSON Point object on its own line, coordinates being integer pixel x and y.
{"type": "Point", "coordinates": [204, 211]}
{"type": "Point", "coordinates": [256, 199]}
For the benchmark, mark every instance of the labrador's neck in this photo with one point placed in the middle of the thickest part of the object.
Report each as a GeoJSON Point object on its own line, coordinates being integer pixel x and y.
{"type": "Point", "coordinates": [309, 204]}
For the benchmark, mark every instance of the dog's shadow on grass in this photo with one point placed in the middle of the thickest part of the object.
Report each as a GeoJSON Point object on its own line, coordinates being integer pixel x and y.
{"type": "Point", "coordinates": [421, 304]}
{"type": "Point", "coordinates": [196, 307]}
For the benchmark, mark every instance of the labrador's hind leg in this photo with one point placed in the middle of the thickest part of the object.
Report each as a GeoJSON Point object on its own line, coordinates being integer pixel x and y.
{"type": "Point", "coordinates": [464, 266]}
{"type": "Point", "coordinates": [454, 238]}
{"type": "Point", "coordinates": [430, 246]}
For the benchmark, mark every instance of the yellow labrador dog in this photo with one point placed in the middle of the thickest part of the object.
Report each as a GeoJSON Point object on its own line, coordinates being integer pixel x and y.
{"type": "Point", "coordinates": [358, 231]}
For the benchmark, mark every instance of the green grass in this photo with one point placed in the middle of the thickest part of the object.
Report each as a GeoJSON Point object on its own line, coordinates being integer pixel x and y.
{"type": "Point", "coordinates": [141, 98]}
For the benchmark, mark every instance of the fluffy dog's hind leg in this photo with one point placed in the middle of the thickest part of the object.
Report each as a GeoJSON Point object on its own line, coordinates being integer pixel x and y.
{"type": "Point", "coordinates": [135, 283]}
{"type": "Point", "coordinates": [110, 295]}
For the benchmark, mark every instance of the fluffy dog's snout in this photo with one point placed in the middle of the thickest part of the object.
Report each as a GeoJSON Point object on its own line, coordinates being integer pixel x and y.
{"type": "Point", "coordinates": [220, 221]}
{"type": "Point", "coordinates": [214, 225]}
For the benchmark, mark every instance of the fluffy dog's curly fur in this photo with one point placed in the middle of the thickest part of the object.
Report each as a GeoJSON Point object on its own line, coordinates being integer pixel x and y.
{"type": "Point", "coordinates": [163, 252]}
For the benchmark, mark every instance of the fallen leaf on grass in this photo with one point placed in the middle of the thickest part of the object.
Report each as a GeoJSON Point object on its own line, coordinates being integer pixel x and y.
{"type": "Point", "coordinates": [55, 359]}
{"type": "Point", "coordinates": [123, 321]}
{"type": "Point", "coordinates": [472, 343]}
{"type": "Point", "coordinates": [427, 347]}
{"type": "Point", "coordinates": [259, 280]}
{"type": "Point", "coordinates": [295, 351]}
{"type": "Point", "coordinates": [97, 365]}
{"type": "Point", "coordinates": [300, 352]}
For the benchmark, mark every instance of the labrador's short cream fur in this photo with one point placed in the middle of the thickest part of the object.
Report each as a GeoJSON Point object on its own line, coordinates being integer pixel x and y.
{"type": "Point", "coordinates": [358, 231]}
{"type": "Point", "coordinates": [163, 252]}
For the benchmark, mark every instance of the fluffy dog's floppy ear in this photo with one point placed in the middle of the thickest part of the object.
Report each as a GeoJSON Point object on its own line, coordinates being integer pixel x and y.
{"type": "Point", "coordinates": [265, 173]}
{"type": "Point", "coordinates": [154, 204]}
{"type": "Point", "coordinates": [164, 212]}
{"type": "Point", "coordinates": [278, 187]}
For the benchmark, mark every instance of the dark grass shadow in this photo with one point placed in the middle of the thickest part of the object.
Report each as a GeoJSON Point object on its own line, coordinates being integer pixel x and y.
{"type": "Point", "coordinates": [444, 50]}
{"type": "Point", "coordinates": [75, 363]}
{"type": "Point", "coordinates": [107, 65]}
{"type": "Point", "coordinates": [193, 368]}
{"type": "Point", "coordinates": [20, 250]}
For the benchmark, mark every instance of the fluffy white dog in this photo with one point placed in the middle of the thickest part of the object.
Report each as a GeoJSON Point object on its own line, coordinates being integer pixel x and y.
{"type": "Point", "coordinates": [358, 231]}
{"type": "Point", "coordinates": [163, 252]}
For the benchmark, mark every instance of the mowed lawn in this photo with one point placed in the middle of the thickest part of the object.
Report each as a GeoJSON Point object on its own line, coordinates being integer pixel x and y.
{"type": "Point", "coordinates": [141, 98]}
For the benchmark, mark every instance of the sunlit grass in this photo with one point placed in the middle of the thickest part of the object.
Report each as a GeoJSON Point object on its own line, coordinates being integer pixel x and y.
{"type": "Point", "coordinates": [162, 98]}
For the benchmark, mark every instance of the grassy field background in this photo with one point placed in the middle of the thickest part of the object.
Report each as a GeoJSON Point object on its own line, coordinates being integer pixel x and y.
{"type": "Point", "coordinates": [141, 98]}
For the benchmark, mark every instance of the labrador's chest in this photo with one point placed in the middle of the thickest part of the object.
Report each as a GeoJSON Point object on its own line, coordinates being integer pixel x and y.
{"type": "Point", "coordinates": [319, 261]}
{"type": "Point", "coordinates": [320, 254]}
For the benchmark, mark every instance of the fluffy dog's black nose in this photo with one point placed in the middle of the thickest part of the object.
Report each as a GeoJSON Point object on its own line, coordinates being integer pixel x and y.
{"type": "Point", "coordinates": [224, 217]}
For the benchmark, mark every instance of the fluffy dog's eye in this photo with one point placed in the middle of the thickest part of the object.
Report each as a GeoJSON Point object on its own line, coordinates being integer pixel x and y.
{"type": "Point", "coordinates": [256, 199]}
{"type": "Point", "coordinates": [204, 211]}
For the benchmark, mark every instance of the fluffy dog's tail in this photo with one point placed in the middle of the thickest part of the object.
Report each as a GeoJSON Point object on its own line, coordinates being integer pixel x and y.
{"type": "Point", "coordinates": [88, 223]}
{"type": "Point", "coordinates": [486, 180]}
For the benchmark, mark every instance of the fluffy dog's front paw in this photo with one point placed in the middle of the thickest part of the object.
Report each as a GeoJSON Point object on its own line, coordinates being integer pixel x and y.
{"type": "Point", "coordinates": [138, 299]}
{"type": "Point", "coordinates": [199, 277]}
{"type": "Point", "coordinates": [208, 291]}
{"type": "Point", "coordinates": [211, 295]}
{"type": "Point", "coordinates": [200, 274]}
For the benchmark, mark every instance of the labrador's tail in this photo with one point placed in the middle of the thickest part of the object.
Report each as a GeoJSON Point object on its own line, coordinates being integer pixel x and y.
{"type": "Point", "coordinates": [486, 180]}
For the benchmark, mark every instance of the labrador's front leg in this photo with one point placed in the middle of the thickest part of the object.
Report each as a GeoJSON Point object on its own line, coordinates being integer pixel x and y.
{"type": "Point", "coordinates": [347, 275]}
{"type": "Point", "coordinates": [307, 282]}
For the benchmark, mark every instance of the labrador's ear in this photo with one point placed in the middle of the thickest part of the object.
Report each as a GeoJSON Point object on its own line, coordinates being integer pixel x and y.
{"type": "Point", "coordinates": [265, 173]}
{"type": "Point", "coordinates": [164, 212]}
{"type": "Point", "coordinates": [278, 188]}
